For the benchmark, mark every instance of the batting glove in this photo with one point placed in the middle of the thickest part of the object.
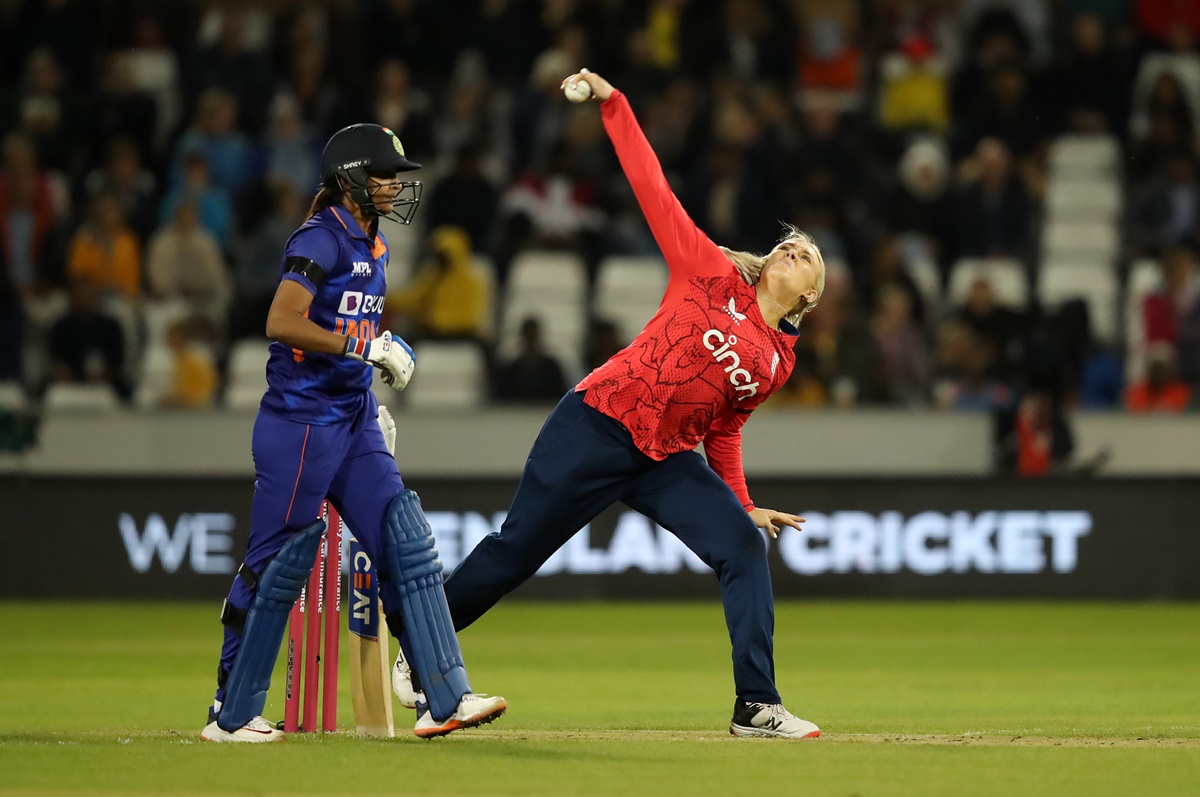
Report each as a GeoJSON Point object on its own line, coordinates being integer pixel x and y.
{"type": "Point", "coordinates": [388, 427]}
{"type": "Point", "coordinates": [390, 355]}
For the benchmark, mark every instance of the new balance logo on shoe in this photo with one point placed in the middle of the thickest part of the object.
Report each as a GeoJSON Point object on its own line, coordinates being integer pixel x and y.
{"type": "Point", "coordinates": [769, 719]}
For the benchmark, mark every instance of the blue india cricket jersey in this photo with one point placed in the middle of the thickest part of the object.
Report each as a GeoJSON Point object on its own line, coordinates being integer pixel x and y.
{"type": "Point", "coordinates": [323, 388]}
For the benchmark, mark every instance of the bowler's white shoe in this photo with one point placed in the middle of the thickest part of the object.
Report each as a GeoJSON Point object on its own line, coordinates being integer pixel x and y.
{"type": "Point", "coordinates": [256, 730]}
{"type": "Point", "coordinates": [402, 685]}
{"type": "Point", "coordinates": [769, 719]}
{"type": "Point", "coordinates": [472, 710]}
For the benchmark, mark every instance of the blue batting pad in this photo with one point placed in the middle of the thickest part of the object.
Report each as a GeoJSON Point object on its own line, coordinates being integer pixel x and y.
{"type": "Point", "coordinates": [416, 572]}
{"type": "Point", "coordinates": [278, 588]}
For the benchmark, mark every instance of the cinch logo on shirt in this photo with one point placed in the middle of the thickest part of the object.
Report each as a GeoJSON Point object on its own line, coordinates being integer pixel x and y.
{"type": "Point", "coordinates": [738, 377]}
{"type": "Point", "coordinates": [361, 269]}
{"type": "Point", "coordinates": [355, 303]}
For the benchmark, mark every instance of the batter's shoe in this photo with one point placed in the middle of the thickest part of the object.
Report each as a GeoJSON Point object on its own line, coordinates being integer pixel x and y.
{"type": "Point", "coordinates": [472, 710]}
{"type": "Point", "coordinates": [256, 730]}
{"type": "Point", "coordinates": [769, 719]}
{"type": "Point", "coordinates": [402, 685]}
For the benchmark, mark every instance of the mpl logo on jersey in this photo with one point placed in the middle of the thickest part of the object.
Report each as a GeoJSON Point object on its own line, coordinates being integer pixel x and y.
{"type": "Point", "coordinates": [721, 347]}
{"type": "Point", "coordinates": [361, 269]}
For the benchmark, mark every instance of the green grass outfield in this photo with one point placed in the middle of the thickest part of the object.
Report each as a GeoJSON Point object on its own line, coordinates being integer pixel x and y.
{"type": "Point", "coordinates": [629, 699]}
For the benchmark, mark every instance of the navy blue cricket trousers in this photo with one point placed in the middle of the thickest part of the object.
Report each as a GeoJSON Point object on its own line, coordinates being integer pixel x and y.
{"type": "Point", "coordinates": [583, 462]}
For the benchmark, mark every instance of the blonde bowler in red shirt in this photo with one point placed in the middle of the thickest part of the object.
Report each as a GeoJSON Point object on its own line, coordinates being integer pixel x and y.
{"type": "Point", "coordinates": [719, 345]}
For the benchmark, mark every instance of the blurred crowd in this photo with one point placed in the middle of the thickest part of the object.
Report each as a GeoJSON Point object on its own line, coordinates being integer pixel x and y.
{"type": "Point", "coordinates": [159, 154]}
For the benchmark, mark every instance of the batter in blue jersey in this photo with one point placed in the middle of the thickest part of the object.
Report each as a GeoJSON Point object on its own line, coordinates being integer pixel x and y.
{"type": "Point", "coordinates": [318, 434]}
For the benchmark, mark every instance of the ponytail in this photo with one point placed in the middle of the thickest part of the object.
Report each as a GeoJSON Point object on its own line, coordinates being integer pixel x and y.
{"type": "Point", "coordinates": [329, 195]}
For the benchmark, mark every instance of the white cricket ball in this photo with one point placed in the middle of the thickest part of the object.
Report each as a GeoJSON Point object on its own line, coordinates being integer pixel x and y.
{"type": "Point", "coordinates": [579, 91]}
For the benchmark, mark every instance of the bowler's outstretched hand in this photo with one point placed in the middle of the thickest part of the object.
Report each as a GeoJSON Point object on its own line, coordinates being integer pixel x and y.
{"type": "Point", "coordinates": [771, 520]}
{"type": "Point", "coordinates": [601, 88]}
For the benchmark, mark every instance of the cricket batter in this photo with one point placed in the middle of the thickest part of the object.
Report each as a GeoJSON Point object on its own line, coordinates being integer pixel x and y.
{"type": "Point", "coordinates": [719, 345]}
{"type": "Point", "coordinates": [317, 435]}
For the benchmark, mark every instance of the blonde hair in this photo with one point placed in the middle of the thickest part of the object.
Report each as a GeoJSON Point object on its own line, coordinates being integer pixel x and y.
{"type": "Point", "coordinates": [750, 266]}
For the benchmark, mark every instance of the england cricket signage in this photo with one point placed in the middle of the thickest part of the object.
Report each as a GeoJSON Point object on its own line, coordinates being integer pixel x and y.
{"type": "Point", "coordinates": [175, 538]}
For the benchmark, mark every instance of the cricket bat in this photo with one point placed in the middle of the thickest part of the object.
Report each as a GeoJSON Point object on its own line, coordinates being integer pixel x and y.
{"type": "Point", "coordinates": [370, 662]}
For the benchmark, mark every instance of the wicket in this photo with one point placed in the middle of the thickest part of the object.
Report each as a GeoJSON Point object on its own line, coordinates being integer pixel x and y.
{"type": "Point", "coordinates": [320, 600]}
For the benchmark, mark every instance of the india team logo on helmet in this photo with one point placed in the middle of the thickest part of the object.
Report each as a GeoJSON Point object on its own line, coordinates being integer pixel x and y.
{"type": "Point", "coordinates": [395, 142]}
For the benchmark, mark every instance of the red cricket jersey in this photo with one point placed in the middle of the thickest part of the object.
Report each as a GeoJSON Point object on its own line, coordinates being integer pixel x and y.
{"type": "Point", "coordinates": [707, 358]}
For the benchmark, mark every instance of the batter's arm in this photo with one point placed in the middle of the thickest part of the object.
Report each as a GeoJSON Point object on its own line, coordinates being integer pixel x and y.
{"type": "Point", "coordinates": [288, 322]}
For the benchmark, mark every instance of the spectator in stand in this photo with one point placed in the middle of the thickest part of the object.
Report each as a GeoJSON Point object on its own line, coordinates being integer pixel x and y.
{"type": "Point", "coordinates": [914, 95]}
{"type": "Point", "coordinates": [1164, 19]}
{"type": "Point", "coordinates": [466, 117]}
{"type": "Point", "coordinates": [194, 373]}
{"type": "Point", "coordinates": [134, 186]}
{"type": "Point", "coordinates": [122, 110]}
{"type": "Point", "coordinates": [1161, 390]}
{"type": "Point", "coordinates": [229, 64]}
{"type": "Point", "coordinates": [288, 153]}
{"type": "Point", "coordinates": [1166, 127]}
{"type": "Point", "coordinates": [553, 208]}
{"type": "Point", "coordinates": [1089, 83]}
{"type": "Point", "coordinates": [993, 209]}
{"type": "Point", "coordinates": [728, 196]}
{"type": "Point", "coordinates": [829, 54]}
{"type": "Point", "coordinates": [965, 364]}
{"type": "Point", "coordinates": [412, 30]}
{"type": "Point", "coordinates": [1006, 109]}
{"type": "Point", "coordinates": [448, 298]}
{"type": "Point", "coordinates": [183, 261]}
{"type": "Point", "coordinates": [212, 202]}
{"type": "Point", "coordinates": [1000, 328]}
{"type": "Point", "coordinates": [323, 103]}
{"type": "Point", "coordinates": [744, 41]}
{"type": "Point", "coordinates": [533, 375]}
{"type": "Point", "coordinates": [27, 217]}
{"type": "Point", "coordinates": [155, 71]}
{"type": "Point", "coordinates": [921, 208]}
{"type": "Point", "coordinates": [1181, 62]}
{"type": "Point", "coordinates": [1164, 209]}
{"type": "Point", "coordinates": [603, 341]}
{"type": "Point", "coordinates": [844, 356]}
{"type": "Point", "coordinates": [48, 112]}
{"type": "Point", "coordinates": [402, 108]}
{"type": "Point", "coordinates": [86, 346]}
{"type": "Point", "coordinates": [1036, 440]}
{"type": "Point", "coordinates": [901, 344]}
{"type": "Point", "coordinates": [887, 271]}
{"type": "Point", "coordinates": [105, 252]}
{"type": "Point", "coordinates": [215, 136]}
{"type": "Point", "coordinates": [257, 275]}
{"type": "Point", "coordinates": [1172, 315]}
{"type": "Point", "coordinates": [465, 198]}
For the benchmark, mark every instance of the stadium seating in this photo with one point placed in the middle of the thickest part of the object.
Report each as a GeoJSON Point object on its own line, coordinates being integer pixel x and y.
{"type": "Point", "coordinates": [1145, 277]}
{"type": "Point", "coordinates": [449, 375]}
{"type": "Point", "coordinates": [79, 397]}
{"type": "Point", "coordinates": [552, 287]}
{"type": "Point", "coordinates": [629, 290]}
{"type": "Point", "coordinates": [1010, 285]}
{"type": "Point", "coordinates": [246, 374]}
{"type": "Point", "coordinates": [1096, 284]}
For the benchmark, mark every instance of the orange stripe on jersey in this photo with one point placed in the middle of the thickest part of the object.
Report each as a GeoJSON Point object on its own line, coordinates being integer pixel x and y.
{"type": "Point", "coordinates": [378, 249]}
{"type": "Point", "coordinates": [297, 354]}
